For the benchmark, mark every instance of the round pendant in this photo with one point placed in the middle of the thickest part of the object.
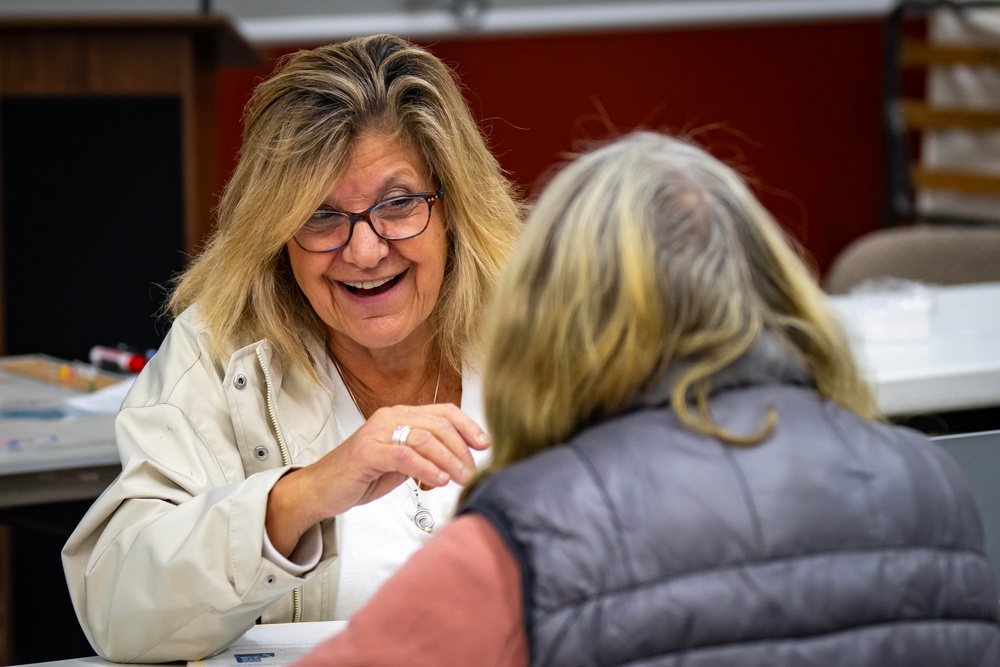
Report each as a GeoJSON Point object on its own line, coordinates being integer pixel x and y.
{"type": "Point", "coordinates": [423, 520]}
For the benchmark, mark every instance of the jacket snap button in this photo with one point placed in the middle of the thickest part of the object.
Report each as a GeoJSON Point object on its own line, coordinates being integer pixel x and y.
{"type": "Point", "coordinates": [260, 452]}
{"type": "Point", "coordinates": [240, 381]}
{"type": "Point", "coordinates": [270, 579]}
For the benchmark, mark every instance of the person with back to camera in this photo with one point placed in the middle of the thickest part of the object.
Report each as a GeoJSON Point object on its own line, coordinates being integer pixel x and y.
{"type": "Point", "coordinates": [320, 369]}
{"type": "Point", "coordinates": [687, 468]}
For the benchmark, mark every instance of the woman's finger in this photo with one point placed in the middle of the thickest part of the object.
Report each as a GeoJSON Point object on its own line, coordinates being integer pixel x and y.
{"type": "Point", "coordinates": [430, 443]}
{"type": "Point", "coordinates": [438, 433]}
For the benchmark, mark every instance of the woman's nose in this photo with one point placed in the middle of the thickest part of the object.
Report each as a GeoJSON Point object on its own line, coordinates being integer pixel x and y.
{"type": "Point", "coordinates": [366, 248]}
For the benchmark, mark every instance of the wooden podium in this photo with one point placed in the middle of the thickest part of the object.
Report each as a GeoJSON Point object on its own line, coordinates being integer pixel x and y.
{"type": "Point", "coordinates": [108, 171]}
{"type": "Point", "coordinates": [108, 177]}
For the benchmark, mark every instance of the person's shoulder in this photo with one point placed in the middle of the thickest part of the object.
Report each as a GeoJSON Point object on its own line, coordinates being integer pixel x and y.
{"type": "Point", "coordinates": [189, 319]}
{"type": "Point", "coordinates": [912, 471]}
{"type": "Point", "coordinates": [185, 352]}
{"type": "Point", "coordinates": [897, 440]}
{"type": "Point", "coordinates": [890, 448]}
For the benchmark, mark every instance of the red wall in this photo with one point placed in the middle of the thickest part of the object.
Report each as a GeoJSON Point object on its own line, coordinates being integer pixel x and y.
{"type": "Point", "coordinates": [798, 106]}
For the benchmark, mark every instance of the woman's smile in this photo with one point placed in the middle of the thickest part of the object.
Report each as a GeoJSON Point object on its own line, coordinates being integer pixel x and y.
{"type": "Point", "coordinates": [370, 288]}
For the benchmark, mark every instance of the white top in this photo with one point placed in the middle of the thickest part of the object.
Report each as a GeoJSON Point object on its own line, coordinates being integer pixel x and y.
{"type": "Point", "coordinates": [377, 538]}
{"type": "Point", "coordinates": [954, 366]}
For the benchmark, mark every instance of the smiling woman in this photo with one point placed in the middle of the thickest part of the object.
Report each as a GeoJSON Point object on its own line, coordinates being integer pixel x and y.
{"type": "Point", "coordinates": [315, 407]}
{"type": "Point", "coordinates": [376, 296]}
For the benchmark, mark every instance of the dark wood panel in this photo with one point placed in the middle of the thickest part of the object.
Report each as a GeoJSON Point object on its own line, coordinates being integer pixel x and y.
{"type": "Point", "coordinates": [43, 64]}
{"type": "Point", "coordinates": [95, 64]}
{"type": "Point", "coordinates": [139, 63]}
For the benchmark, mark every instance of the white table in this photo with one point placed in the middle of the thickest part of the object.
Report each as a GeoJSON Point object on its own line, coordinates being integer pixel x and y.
{"type": "Point", "coordinates": [269, 645]}
{"type": "Point", "coordinates": [957, 367]}
{"type": "Point", "coordinates": [48, 451]}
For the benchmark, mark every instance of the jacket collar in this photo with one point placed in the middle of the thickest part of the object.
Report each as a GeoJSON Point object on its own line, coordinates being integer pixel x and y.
{"type": "Point", "coordinates": [768, 361]}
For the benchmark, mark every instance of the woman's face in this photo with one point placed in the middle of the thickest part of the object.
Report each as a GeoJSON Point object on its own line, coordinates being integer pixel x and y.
{"type": "Point", "coordinates": [374, 292]}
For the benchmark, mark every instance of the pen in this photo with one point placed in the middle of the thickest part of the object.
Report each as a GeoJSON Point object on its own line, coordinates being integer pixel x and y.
{"type": "Point", "coordinates": [111, 359]}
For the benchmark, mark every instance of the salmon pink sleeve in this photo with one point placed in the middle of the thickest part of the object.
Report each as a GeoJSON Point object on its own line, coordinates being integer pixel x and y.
{"type": "Point", "coordinates": [457, 601]}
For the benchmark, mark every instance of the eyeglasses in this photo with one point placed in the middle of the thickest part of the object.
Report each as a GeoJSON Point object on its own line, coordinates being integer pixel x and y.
{"type": "Point", "coordinates": [394, 219]}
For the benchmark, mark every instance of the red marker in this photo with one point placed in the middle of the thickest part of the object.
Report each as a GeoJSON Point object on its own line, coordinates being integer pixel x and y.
{"type": "Point", "coordinates": [112, 359]}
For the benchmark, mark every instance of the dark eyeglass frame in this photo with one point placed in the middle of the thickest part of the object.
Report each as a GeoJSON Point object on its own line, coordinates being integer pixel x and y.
{"type": "Point", "coordinates": [353, 218]}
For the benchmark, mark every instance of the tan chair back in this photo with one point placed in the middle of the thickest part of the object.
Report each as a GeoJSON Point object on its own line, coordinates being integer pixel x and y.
{"type": "Point", "coordinates": [933, 254]}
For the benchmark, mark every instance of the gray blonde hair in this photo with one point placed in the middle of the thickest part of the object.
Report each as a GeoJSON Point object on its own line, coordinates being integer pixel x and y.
{"type": "Point", "coordinates": [299, 127]}
{"type": "Point", "coordinates": [646, 251]}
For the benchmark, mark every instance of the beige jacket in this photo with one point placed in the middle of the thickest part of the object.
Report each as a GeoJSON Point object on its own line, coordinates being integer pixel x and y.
{"type": "Point", "coordinates": [167, 564]}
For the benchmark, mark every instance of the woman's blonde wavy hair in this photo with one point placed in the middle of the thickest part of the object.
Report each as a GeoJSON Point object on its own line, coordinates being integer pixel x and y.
{"type": "Point", "coordinates": [643, 252]}
{"type": "Point", "coordinates": [299, 127]}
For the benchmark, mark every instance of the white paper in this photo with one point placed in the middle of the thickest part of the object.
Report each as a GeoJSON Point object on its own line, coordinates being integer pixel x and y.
{"type": "Point", "coordinates": [107, 400]}
{"type": "Point", "coordinates": [273, 645]}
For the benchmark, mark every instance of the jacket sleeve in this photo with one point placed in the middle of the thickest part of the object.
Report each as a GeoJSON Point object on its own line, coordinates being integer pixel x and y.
{"type": "Point", "coordinates": [457, 601]}
{"type": "Point", "coordinates": [168, 563]}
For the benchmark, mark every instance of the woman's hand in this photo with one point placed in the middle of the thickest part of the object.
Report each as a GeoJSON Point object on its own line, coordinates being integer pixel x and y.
{"type": "Point", "coordinates": [367, 465]}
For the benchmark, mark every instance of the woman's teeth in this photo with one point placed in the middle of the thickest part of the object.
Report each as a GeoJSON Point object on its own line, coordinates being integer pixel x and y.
{"type": "Point", "coordinates": [368, 284]}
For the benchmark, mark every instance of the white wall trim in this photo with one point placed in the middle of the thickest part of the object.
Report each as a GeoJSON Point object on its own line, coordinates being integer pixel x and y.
{"type": "Point", "coordinates": [561, 19]}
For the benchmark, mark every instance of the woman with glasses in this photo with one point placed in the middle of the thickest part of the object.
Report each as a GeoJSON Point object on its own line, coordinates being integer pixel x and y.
{"type": "Point", "coordinates": [315, 408]}
{"type": "Point", "coordinates": [687, 467]}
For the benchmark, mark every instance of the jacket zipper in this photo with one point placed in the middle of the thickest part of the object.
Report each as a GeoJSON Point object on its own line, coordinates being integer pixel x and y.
{"type": "Point", "coordinates": [286, 459]}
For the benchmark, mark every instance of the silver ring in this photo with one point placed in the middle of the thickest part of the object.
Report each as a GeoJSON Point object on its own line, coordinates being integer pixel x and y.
{"type": "Point", "coordinates": [399, 435]}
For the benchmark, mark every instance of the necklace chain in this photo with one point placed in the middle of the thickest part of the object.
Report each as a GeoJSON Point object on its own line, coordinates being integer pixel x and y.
{"type": "Point", "coordinates": [437, 385]}
{"type": "Point", "coordinates": [422, 518]}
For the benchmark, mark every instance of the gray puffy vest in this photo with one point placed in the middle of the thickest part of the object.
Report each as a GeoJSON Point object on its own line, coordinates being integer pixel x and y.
{"type": "Point", "coordinates": [833, 542]}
